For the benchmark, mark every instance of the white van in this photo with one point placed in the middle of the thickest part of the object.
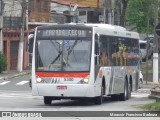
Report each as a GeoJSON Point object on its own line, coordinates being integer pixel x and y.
{"type": "Point", "coordinates": [143, 49]}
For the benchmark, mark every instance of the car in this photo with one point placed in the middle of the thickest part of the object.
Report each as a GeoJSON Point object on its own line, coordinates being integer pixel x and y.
{"type": "Point", "coordinates": [150, 39]}
{"type": "Point", "coordinates": [144, 51]}
{"type": "Point", "coordinates": [140, 79]}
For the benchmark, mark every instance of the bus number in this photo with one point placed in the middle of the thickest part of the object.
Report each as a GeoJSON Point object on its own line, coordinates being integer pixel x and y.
{"type": "Point", "coordinates": [68, 79]}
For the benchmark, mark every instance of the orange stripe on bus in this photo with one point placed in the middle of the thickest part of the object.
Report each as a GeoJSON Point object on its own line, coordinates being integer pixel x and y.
{"type": "Point", "coordinates": [129, 69]}
{"type": "Point", "coordinates": [74, 75]}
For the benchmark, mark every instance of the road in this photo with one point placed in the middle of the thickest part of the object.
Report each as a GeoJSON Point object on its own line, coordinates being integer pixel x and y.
{"type": "Point", "coordinates": [15, 94]}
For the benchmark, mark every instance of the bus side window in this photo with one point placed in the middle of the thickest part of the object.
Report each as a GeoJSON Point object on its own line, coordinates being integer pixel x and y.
{"type": "Point", "coordinates": [30, 43]}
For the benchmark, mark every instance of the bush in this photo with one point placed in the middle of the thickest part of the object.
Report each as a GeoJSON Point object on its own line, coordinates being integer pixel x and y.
{"type": "Point", "coordinates": [3, 62]}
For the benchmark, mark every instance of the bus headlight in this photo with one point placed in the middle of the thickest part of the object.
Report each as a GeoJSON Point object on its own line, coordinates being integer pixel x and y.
{"type": "Point", "coordinates": [84, 80]}
{"type": "Point", "coordinates": [39, 80]}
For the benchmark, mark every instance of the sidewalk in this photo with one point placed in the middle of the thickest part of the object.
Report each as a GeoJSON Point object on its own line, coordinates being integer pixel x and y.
{"type": "Point", "coordinates": [150, 85]}
{"type": "Point", "coordinates": [12, 74]}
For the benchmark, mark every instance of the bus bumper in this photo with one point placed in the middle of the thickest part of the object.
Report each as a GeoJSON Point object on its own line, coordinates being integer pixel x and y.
{"type": "Point", "coordinates": [68, 91]}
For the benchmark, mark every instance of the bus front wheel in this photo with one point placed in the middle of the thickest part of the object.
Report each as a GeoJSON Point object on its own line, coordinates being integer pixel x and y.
{"type": "Point", "coordinates": [47, 100]}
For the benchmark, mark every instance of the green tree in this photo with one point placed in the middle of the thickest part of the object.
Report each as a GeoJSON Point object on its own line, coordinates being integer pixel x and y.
{"type": "Point", "coordinates": [139, 13]}
{"type": "Point", "coordinates": [3, 62]}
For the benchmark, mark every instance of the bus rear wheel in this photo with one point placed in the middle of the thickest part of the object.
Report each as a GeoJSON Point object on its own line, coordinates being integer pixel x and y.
{"type": "Point", "coordinates": [99, 100]}
{"type": "Point", "coordinates": [129, 90]}
{"type": "Point", "coordinates": [124, 96]}
{"type": "Point", "coordinates": [47, 100]}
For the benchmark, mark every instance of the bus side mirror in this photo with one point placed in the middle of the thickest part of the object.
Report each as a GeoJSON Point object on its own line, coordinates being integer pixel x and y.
{"type": "Point", "coordinates": [30, 43]}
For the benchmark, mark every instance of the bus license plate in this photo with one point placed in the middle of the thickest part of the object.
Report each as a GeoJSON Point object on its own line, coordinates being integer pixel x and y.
{"type": "Point", "coordinates": [61, 87]}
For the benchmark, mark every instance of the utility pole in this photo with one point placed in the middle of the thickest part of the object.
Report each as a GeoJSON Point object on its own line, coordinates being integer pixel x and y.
{"type": "Point", "coordinates": [21, 43]}
{"type": "Point", "coordinates": [109, 5]}
{"type": "Point", "coordinates": [155, 53]}
{"type": "Point", "coordinates": [27, 2]}
{"type": "Point", "coordinates": [1, 24]}
{"type": "Point", "coordinates": [147, 16]}
{"type": "Point", "coordinates": [104, 11]}
{"type": "Point", "coordinates": [112, 10]}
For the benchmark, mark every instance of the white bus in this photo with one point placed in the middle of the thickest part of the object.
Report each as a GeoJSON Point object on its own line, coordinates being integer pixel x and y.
{"type": "Point", "coordinates": [84, 61]}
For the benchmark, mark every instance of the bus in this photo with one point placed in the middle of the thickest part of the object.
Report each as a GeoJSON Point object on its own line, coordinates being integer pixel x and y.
{"type": "Point", "coordinates": [84, 61]}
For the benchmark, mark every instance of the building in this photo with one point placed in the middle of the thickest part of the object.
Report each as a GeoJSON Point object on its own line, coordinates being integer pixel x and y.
{"type": "Point", "coordinates": [11, 32]}
{"type": "Point", "coordinates": [41, 12]}
{"type": "Point", "coordinates": [38, 12]}
{"type": "Point", "coordinates": [79, 11]}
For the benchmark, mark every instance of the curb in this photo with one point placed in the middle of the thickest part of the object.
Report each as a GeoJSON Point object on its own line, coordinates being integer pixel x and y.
{"type": "Point", "coordinates": [151, 83]}
{"type": "Point", "coordinates": [155, 93]}
{"type": "Point", "coordinates": [16, 75]}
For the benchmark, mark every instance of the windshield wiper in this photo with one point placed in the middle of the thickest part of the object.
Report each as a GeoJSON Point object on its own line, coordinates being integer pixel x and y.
{"type": "Point", "coordinates": [56, 57]}
{"type": "Point", "coordinates": [60, 53]}
{"type": "Point", "coordinates": [71, 49]}
{"type": "Point", "coordinates": [64, 62]}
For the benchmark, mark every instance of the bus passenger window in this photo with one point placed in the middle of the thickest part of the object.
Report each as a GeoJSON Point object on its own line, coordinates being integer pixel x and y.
{"type": "Point", "coordinates": [104, 58]}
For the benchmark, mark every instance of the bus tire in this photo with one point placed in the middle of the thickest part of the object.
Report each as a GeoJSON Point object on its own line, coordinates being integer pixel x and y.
{"type": "Point", "coordinates": [47, 100]}
{"type": "Point", "coordinates": [99, 100]}
{"type": "Point", "coordinates": [124, 96]}
{"type": "Point", "coordinates": [129, 90]}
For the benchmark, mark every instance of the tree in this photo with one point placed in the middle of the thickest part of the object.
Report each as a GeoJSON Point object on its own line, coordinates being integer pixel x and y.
{"type": "Point", "coordinates": [120, 9]}
{"type": "Point", "coordinates": [3, 62]}
{"type": "Point", "coordinates": [139, 13]}
{"type": "Point", "coordinates": [123, 13]}
{"type": "Point", "coordinates": [136, 13]}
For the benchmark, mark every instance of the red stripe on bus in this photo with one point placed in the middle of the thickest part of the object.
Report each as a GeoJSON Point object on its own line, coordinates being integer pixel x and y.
{"type": "Point", "coordinates": [74, 75]}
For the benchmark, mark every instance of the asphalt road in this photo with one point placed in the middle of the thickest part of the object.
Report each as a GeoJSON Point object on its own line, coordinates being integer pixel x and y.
{"type": "Point", "coordinates": [16, 95]}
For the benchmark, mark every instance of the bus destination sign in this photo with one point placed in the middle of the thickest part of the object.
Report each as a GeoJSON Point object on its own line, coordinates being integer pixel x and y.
{"type": "Point", "coordinates": [64, 33]}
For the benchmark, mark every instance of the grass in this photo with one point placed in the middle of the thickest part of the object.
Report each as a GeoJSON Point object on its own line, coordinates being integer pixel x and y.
{"type": "Point", "coordinates": [152, 106]}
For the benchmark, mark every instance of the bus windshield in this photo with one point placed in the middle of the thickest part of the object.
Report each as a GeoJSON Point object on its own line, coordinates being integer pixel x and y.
{"type": "Point", "coordinates": [63, 55]}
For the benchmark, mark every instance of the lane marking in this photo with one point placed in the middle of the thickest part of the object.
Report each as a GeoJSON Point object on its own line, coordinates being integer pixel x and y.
{"type": "Point", "coordinates": [22, 82]}
{"type": "Point", "coordinates": [3, 83]}
{"type": "Point", "coordinates": [17, 94]}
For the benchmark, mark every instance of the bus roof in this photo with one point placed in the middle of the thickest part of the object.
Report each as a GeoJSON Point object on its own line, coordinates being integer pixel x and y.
{"type": "Point", "coordinates": [108, 26]}
{"type": "Point", "coordinates": [112, 30]}
{"type": "Point", "coordinates": [142, 41]}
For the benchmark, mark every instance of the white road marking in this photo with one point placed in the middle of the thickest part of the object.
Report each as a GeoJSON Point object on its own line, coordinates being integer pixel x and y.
{"type": "Point", "coordinates": [3, 83]}
{"type": "Point", "coordinates": [22, 82]}
{"type": "Point", "coordinates": [17, 94]}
